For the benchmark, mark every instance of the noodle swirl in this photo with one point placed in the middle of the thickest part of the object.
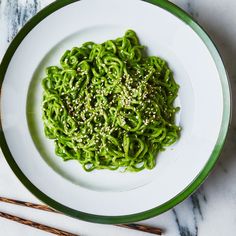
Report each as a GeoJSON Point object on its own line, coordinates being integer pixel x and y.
{"type": "Point", "coordinates": [109, 105]}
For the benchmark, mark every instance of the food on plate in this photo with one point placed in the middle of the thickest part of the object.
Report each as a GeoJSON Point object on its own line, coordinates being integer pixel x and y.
{"type": "Point", "coordinates": [110, 105]}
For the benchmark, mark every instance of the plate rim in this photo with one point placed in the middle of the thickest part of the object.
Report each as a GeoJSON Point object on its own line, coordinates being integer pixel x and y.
{"type": "Point", "coordinates": [226, 117]}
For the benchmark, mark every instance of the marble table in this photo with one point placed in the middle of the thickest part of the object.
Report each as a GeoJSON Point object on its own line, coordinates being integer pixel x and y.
{"type": "Point", "coordinates": [210, 211]}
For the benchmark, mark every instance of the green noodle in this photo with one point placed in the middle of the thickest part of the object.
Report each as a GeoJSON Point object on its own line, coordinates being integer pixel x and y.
{"type": "Point", "coordinates": [109, 105]}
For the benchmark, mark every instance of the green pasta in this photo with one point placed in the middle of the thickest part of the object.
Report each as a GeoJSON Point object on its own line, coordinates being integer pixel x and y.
{"type": "Point", "coordinates": [110, 105]}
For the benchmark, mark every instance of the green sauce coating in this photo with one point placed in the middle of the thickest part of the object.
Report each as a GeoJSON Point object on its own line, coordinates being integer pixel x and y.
{"type": "Point", "coordinates": [110, 105]}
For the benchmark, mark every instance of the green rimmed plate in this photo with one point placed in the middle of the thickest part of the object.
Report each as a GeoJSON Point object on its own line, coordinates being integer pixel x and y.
{"type": "Point", "coordinates": [105, 196]}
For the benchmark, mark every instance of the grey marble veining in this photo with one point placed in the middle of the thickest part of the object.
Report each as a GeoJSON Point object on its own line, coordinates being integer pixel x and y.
{"type": "Point", "coordinates": [13, 15]}
{"type": "Point", "coordinates": [214, 203]}
{"type": "Point", "coordinates": [17, 13]}
{"type": "Point", "coordinates": [190, 214]}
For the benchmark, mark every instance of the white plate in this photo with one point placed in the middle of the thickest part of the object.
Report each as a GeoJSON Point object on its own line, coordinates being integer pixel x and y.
{"type": "Point", "coordinates": [103, 195]}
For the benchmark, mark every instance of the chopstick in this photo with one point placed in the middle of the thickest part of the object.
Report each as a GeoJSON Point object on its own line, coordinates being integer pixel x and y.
{"type": "Point", "coordinates": [143, 228]}
{"type": "Point", "coordinates": [36, 225]}
{"type": "Point", "coordinates": [27, 204]}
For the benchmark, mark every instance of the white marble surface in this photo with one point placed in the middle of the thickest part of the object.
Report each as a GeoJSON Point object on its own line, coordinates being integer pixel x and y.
{"type": "Point", "coordinates": [210, 211]}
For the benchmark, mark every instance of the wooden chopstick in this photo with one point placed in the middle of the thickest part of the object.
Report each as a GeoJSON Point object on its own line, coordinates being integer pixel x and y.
{"type": "Point", "coordinates": [143, 228]}
{"type": "Point", "coordinates": [27, 204]}
{"type": "Point", "coordinates": [36, 225]}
